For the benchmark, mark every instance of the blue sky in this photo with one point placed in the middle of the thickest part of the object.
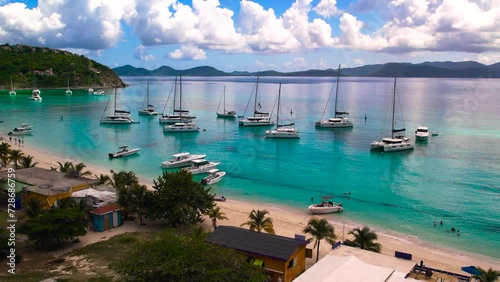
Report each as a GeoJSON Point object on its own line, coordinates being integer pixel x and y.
{"type": "Point", "coordinates": [284, 35]}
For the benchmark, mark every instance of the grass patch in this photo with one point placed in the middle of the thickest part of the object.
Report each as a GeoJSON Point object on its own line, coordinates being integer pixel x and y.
{"type": "Point", "coordinates": [110, 250]}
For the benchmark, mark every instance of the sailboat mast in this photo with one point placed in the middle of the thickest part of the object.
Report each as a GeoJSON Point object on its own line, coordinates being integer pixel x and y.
{"type": "Point", "coordinates": [256, 91]}
{"type": "Point", "coordinates": [337, 91]}
{"type": "Point", "coordinates": [278, 112]}
{"type": "Point", "coordinates": [175, 94]}
{"type": "Point", "coordinates": [180, 96]}
{"type": "Point", "coordinates": [147, 95]}
{"type": "Point", "coordinates": [224, 95]}
{"type": "Point", "coordinates": [114, 110]}
{"type": "Point", "coordinates": [393, 107]}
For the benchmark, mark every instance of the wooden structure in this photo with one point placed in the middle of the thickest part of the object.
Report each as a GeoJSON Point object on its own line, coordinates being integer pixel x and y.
{"type": "Point", "coordinates": [282, 258]}
{"type": "Point", "coordinates": [106, 217]}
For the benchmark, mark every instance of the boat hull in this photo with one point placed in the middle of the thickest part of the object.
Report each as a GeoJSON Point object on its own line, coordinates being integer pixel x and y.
{"type": "Point", "coordinates": [202, 169]}
{"type": "Point", "coordinates": [255, 123]}
{"type": "Point", "coordinates": [282, 133]}
{"type": "Point", "coordinates": [316, 209]}
{"type": "Point", "coordinates": [122, 154]}
{"type": "Point", "coordinates": [210, 180]}
{"type": "Point", "coordinates": [419, 137]}
{"type": "Point", "coordinates": [115, 121]}
{"type": "Point", "coordinates": [19, 133]}
{"type": "Point", "coordinates": [328, 124]}
{"type": "Point", "coordinates": [147, 113]}
{"type": "Point", "coordinates": [173, 120]}
{"type": "Point", "coordinates": [181, 163]}
{"type": "Point", "coordinates": [222, 115]}
{"type": "Point", "coordinates": [398, 147]}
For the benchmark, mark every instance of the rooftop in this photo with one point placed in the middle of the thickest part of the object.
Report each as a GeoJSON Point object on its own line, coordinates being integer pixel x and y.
{"type": "Point", "coordinates": [258, 243]}
{"type": "Point", "coordinates": [106, 209]}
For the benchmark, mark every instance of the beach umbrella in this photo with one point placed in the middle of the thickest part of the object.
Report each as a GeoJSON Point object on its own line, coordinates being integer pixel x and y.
{"type": "Point", "coordinates": [471, 269]}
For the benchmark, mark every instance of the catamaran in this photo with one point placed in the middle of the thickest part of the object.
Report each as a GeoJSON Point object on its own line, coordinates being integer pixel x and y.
{"type": "Point", "coordinates": [258, 118]}
{"type": "Point", "coordinates": [178, 115]}
{"type": "Point", "coordinates": [149, 109]}
{"type": "Point", "coordinates": [118, 116]}
{"type": "Point", "coordinates": [224, 114]}
{"type": "Point", "coordinates": [282, 130]}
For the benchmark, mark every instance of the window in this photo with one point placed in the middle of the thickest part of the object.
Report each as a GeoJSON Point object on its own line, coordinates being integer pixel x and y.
{"type": "Point", "coordinates": [292, 263]}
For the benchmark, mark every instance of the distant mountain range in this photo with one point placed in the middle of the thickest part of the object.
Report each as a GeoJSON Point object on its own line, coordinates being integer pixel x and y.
{"type": "Point", "coordinates": [467, 69]}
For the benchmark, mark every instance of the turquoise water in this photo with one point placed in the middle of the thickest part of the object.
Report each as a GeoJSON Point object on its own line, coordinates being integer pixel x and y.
{"type": "Point", "coordinates": [453, 177]}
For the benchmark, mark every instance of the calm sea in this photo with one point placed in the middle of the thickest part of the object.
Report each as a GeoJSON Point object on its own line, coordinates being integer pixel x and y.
{"type": "Point", "coordinates": [454, 177]}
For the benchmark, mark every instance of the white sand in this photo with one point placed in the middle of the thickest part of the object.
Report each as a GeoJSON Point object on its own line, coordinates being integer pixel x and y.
{"type": "Point", "coordinates": [288, 222]}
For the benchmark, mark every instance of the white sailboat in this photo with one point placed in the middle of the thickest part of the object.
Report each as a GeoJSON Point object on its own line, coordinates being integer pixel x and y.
{"type": "Point", "coordinates": [282, 130]}
{"type": "Point", "coordinates": [148, 110]}
{"type": "Point", "coordinates": [258, 118]}
{"type": "Point", "coordinates": [118, 116]}
{"type": "Point", "coordinates": [35, 95]}
{"type": "Point", "coordinates": [12, 92]}
{"type": "Point", "coordinates": [397, 141]}
{"type": "Point", "coordinates": [178, 115]}
{"type": "Point", "coordinates": [225, 114]}
{"type": "Point", "coordinates": [339, 120]}
{"type": "Point", "coordinates": [68, 91]}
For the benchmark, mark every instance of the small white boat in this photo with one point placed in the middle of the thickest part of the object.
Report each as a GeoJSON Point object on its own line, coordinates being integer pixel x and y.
{"type": "Point", "coordinates": [98, 93]}
{"type": "Point", "coordinates": [325, 206]}
{"type": "Point", "coordinates": [124, 151]}
{"type": "Point", "coordinates": [214, 177]}
{"type": "Point", "coordinates": [181, 127]}
{"type": "Point", "coordinates": [24, 129]}
{"type": "Point", "coordinates": [282, 130]}
{"type": "Point", "coordinates": [35, 95]}
{"type": "Point", "coordinates": [181, 159]}
{"type": "Point", "coordinates": [12, 92]}
{"type": "Point", "coordinates": [422, 133]}
{"type": "Point", "coordinates": [201, 166]}
{"type": "Point", "coordinates": [220, 199]}
{"type": "Point", "coordinates": [68, 91]}
{"type": "Point", "coordinates": [435, 134]}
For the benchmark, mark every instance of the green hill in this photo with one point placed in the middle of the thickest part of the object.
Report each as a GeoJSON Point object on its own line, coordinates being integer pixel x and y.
{"type": "Point", "coordinates": [51, 68]}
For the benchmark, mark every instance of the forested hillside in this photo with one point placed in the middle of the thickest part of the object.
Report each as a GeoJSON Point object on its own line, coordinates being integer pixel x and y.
{"type": "Point", "coordinates": [51, 68]}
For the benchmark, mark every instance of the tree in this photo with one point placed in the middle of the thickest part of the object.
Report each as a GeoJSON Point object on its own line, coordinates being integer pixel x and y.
{"type": "Point", "coordinates": [103, 178]}
{"type": "Point", "coordinates": [4, 153]}
{"type": "Point", "coordinates": [489, 275]}
{"type": "Point", "coordinates": [16, 156]}
{"type": "Point", "coordinates": [258, 221]}
{"type": "Point", "coordinates": [320, 229]}
{"type": "Point", "coordinates": [33, 208]}
{"type": "Point", "coordinates": [174, 257]}
{"type": "Point", "coordinates": [123, 179]}
{"type": "Point", "coordinates": [27, 162]}
{"type": "Point", "coordinates": [179, 199]}
{"type": "Point", "coordinates": [78, 170]}
{"type": "Point", "coordinates": [364, 239]}
{"type": "Point", "coordinates": [57, 224]}
{"type": "Point", "coordinates": [215, 214]}
{"type": "Point", "coordinates": [139, 200]}
{"type": "Point", "coordinates": [66, 167]}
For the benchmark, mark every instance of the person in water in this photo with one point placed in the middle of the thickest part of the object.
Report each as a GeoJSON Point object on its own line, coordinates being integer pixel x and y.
{"type": "Point", "coordinates": [453, 229]}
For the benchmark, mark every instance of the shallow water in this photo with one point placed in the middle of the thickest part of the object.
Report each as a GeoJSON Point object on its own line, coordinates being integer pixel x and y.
{"type": "Point", "coordinates": [453, 177]}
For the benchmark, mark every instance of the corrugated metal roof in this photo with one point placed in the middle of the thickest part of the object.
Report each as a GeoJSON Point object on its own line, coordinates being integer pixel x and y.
{"type": "Point", "coordinates": [105, 209]}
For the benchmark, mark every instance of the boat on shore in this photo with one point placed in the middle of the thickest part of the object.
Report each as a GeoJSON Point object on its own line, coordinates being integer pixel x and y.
{"type": "Point", "coordinates": [220, 198]}
{"type": "Point", "coordinates": [214, 177]}
{"type": "Point", "coordinates": [326, 206]}
{"type": "Point", "coordinates": [422, 133]}
{"type": "Point", "coordinates": [181, 159]}
{"type": "Point", "coordinates": [201, 166]}
{"type": "Point", "coordinates": [24, 129]}
{"type": "Point", "coordinates": [123, 152]}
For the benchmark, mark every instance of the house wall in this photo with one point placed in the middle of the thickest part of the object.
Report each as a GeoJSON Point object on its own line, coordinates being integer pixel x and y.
{"type": "Point", "coordinates": [107, 221]}
{"type": "Point", "coordinates": [299, 267]}
{"type": "Point", "coordinates": [46, 201]}
{"type": "Point", "coordinates": [98, 222]}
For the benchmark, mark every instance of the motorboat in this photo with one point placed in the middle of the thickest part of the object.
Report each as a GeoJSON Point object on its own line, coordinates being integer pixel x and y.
{"type": "Point", "coordinates": [397, 141]}
{"type": "Point", "coordinates": [35, 95]}
{"type": "Point", "coordinates": [98, 92]}
{"type": "Point", "coordinates": [339, 120]}
{"type": "Point", "coordinates": [282, 130]}
{"type": "Point", "coordinates": [259, 118]}
{"type": "Point", "coordinates": [326, 206]}
{"type": "Point", "coordinates": [12, 92]}
{"type": "Point", "coordinates": [24, 129]}
{"type": "Point", "coordinates": [181, 127]}
{"type": "Point", "coordinates": [181, 159]}
{"type": "Point", "coordinates": [178, 115]}
{"type": "Point", "coordinates": [200, 166]}
{"type": "Point", "coordinates": [148, 109]}
{"type": "Point", "coordinates": [118, 116]}
{"type": "Point", "coordinates": [124, 151]}
{"type": "Point", "coordinates": [220, 198]}
{"type": "Point", "coordinates": [422, 133]}
{"type": "Point", "coordinates": [224, 113]}
{"type": "Point", "coordinates": [214, 177]}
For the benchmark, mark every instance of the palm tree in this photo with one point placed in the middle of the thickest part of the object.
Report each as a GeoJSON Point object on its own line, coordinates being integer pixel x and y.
{"type": "Point", "coordinates": [27, 162]}
{"type": "Point", "coordinates": [259, 222]}
{"type": "Point", "coordinates": [320, 229]}
{"type": "Point", "coordinates": [34, 208]}
{"type": "Point", "coordinates": [4, 153]}
{"type": "Point", "coordinates": [66, 167]}
{"type": "Point", "coordinates": [139, 200]}
{"type": "Point", "coordinates": [103, 178]}
{"type": "Point", "coordinates": [489, 275]}
{"type": "Point", "coordinates": [16, 156]}
{"type": "Point", "coordinates": [66, 203]}
{"type": "Point", "coordinates": [78, 170]}
{"type": "Point", "coordinates": [215, 214]}
{"type": "Point", "coordinates": [123, 179]}
{"type": "Point", "coordinates": [364, 239]}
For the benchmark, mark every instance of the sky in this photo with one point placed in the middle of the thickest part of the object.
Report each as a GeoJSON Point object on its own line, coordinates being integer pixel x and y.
{"type": "Point", "coordinates": [282, 35]}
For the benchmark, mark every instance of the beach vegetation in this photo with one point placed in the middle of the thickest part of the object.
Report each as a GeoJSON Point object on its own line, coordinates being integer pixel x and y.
{"type": "Point", "coordinates": [66, 167]}
{"type": "Point", "coordinates": [33, 208]}
{"type": "Point", "coordinates": [484, 275]}
{"type": "Point", "coordinates": [5, 153]}
{"type": "Point", "coordinates": [103, 178]}
{"type": "Point", "coordinates": [16, 156]}
{"type": "Point", "coordinates": [139, 200]}
{"type": "Point", "coordinates": [364, 239]}
{"type": "Point", "coordinates": [27, 162]}
{"type": "Point", "coordinates": [319, 229]}
{"type": "Point", "coordinates": [259, 220]}
{"type": "Point", "coordinates": [216, 214]}
{"type": "Point", "coordinates": [178, 199]}
{"type": "Point", "coordinates": [170, 256]}
{"type": "Point", "coordinates": [56, 225]}
{"type": "Point", "coordinates": [123, 179]}
{"type": "Point", "coordinates": [127, 189]}
{"type": "Point", "coordinates": [74, 170]}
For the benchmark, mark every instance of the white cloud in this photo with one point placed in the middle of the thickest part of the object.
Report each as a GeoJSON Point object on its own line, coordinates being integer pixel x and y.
{"type": "Point", "coordinates": [140, 53]}
{"type": "Point", "coordinates": [188, 52]}
{"type": "Point", "coordinates": [359, 62]}
{"type": "Point", "coordinates": [298, 63]}
{"type": "Point", "coordinates": [327, 8]}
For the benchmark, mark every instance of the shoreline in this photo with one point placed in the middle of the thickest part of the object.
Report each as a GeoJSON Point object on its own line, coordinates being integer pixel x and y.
{"type": "Point", "coordinates": [289, 221]}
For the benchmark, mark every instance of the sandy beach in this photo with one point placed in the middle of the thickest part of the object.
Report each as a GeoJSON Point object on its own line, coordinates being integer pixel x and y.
{"type": "Point", "coordinates": [288, 222]}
